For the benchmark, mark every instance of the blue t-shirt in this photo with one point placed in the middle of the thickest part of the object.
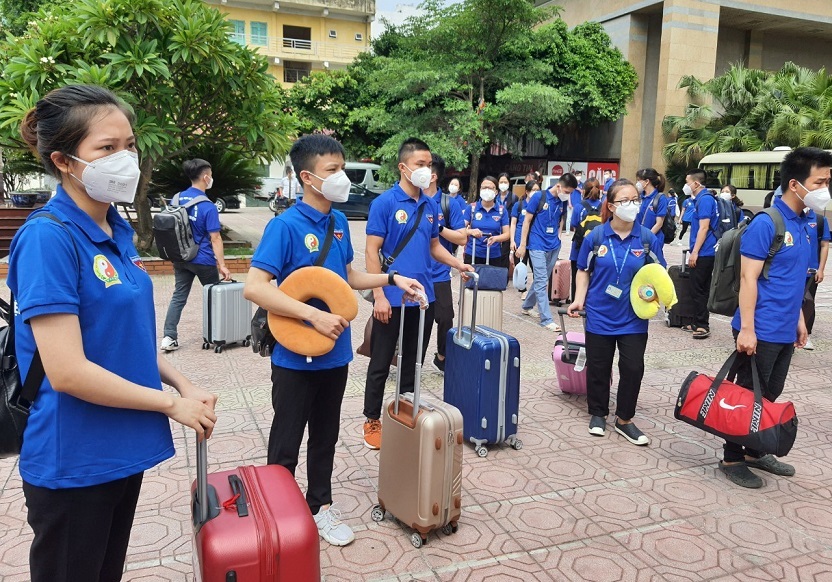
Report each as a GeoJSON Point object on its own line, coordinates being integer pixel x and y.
{"type": "Point", "coordinates": [780, 296]}
{"type": "Point", "coordinates": [391, 218]}
{"type": "Point", "coordinates": [544, 234]}
{"type": "Point", "coordinates": [647, 217]}
{"type": "Point", "coordinates": [615, 266]}
{"type": "Point", "coordinates": [812, 231]}
{"type": "Point", "coordinates": [490, 222]}
{"type": "Point", "coordinates": [70, 442]}
{"type": "Point", "coordinates": [578, 216]}
{"type": "Point", "coordinates": [687, 209]}
{"type": "Point", "coordinates": [204, 220]}
{"type": "Point", "coordinates": [518, 211]}
{"type": "Point", "coordinates": [454, 221]}
{"type": "Point", "coordinates": [293, 240]}
{"type": "Point", "coordinates": [704, 207]}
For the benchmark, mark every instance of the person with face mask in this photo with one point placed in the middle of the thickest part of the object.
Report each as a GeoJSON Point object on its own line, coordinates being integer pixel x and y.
{"type": "Point", "coordinates": [703, 241]}
{"type": "Point", "coordinates": [608, 180]}
{"type": "Point", "coordinates": [650, 185]}
{"type": "Point", "coordinates": [454, 189]}
{"type": "Point", "coordinates": [609, 258]}
{"type": "Point", "coordinates": [85, 323]}
{"type": "Point", "coordinates": [309, 391]}
{"type": "Point", "coordinates": [507, 199]}
{"type": "Point", "coordinates": [487, 223]}
{"type": "Point", "coordinates": [729, 194]}
{"type": "Point", "coordinates": [205, 225]}
{"type": "Point", "coordinates": [769, 323]}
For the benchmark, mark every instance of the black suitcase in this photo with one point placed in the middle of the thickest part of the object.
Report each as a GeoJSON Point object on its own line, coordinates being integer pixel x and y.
{"type": "Point", "coordinates": [682, 313]}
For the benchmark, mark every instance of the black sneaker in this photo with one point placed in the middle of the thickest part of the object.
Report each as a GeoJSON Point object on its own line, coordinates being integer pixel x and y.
{"type": "Point", "coordinates": [597, 426]}
{"type": "Point", "coordinates": [440, 364]}
{"type": "Point", "coordinates": [631, 433]}
{"type": "Point", "coordinates": [770, 464]}
{"type": "Point", "coordinates": [741, 475]}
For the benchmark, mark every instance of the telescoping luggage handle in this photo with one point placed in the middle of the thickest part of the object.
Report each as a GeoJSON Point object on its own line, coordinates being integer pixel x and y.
{"type": "Point", "coordinates": [561, 312]}
{"type": "Point", "coordinates": [463, 338]}
{"type": "Point", "coordinates": [202, 479]}
{"type": "Point", "coordinates": [206, 506]}
{"type": "Point", "coordinates": [417, 382]}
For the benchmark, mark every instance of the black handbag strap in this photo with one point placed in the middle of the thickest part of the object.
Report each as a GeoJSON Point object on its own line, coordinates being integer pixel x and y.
{"type": "Point", "coordinates": [729, 370]}
{"type": "Point", "coordinates": [385, 264]}
{"type": "Point", "coordinates": [330, 231]}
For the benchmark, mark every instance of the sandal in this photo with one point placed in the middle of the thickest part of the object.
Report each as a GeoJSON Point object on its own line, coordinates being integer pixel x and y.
{"type": "Point", "coordinates": [687, 328]}
{"type": "Point", "coordinates": [701, 333]}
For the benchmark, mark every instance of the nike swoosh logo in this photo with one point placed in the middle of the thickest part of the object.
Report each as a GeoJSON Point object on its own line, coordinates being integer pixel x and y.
{"type": "Point", "coordinates": [722, 404]}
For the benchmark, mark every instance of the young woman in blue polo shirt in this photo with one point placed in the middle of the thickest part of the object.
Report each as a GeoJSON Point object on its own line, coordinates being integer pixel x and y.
{"type": "Point", "coordinates": [653, 212]}
{"type": "Point", "coordinates": [603, 289]}
{"type": "Point", "coordinates": [85, 306]}
{"type": "Point", "coordinates": [487, 222]}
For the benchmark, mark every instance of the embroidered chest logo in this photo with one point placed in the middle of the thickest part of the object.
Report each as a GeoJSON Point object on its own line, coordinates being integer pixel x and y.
{"type": "Point", "coordinates": [441, 217]}
{"type": "Point", "coordinates": [138, 262]}
{"type": "Point", "coordinates": [401, 217]}
{"type": "Point", "coordinates": [546, 206]}
{"type": "Point", "coordinates": [637, 252]}
{"type": "Point", "coordinates": [311, 242]}
{"type": "Point", "coordinates": [478, 216]}
{"type": "Point", "coordinates": [496, 218]}
{"type": "Point", "coordinates": [105, 271]}
{"type": "Point", "coordinates": [788, 240]}
{"type": "Point", "coordinates": [430, 218]}
{"type": "Point", "coordinates": [602, 251]}
{"type": "Point", "coordinates": [523, 212]}
{"type": "Point", "coordinates": [813, 225]}
{"type": "Point", "coordinates": [339, 234]}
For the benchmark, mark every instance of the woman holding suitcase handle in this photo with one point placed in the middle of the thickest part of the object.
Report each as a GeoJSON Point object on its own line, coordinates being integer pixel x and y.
{"type": "Point", "coordinates": [489, 220]}
{"type": "Point", "coordinates": [609, 258]}
{"type": "Point", "coordinates": [85, 303]}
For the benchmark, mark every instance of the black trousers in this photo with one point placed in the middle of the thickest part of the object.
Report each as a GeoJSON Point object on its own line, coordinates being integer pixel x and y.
{"type": "Point", "coordinates": [81, 534]}
{"type": "Point", "coordinates": [773, 361]}
{"type": "Point", "coordinates": [574, 278]}
{"type": "Point", "coordinates": [809, 303]}
{"type": "Point", "coordinates": [382, 347]}
{"type": "Point", "coordinates": [700, 286]}
{"type": "Point", "coordinates": [685, 225]}
{"type": "Point", "coordinates": [314, 397]}
{"type": "Point", "coordinates": [443, 314]}
{"type": "Point", "coordinates": [600, 350]}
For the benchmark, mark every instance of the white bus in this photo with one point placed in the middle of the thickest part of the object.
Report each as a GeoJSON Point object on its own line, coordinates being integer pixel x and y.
{"type": "Point", "coordinates": [754, 174]}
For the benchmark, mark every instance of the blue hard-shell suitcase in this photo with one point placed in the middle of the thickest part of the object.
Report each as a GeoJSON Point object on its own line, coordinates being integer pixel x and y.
{"type": "Point", "coordinates": [482, 379]}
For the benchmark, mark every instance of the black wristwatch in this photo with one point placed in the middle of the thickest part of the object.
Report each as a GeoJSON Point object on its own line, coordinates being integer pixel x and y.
{"type": "Point", "coordinates": [441, 228]}
{"type": "Point", "coordinates": [390, 276]}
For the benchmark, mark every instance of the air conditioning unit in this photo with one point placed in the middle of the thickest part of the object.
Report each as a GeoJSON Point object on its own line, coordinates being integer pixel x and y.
{"type": "Point", "coordinates": [326, 64]}
{"type": "Point", "coordinates": [333, 34]}
{"type": "Point", "coordinates": [359, 36]}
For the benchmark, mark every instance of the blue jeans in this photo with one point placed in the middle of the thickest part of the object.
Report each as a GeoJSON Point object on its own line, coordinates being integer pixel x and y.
{"type": "Point", "coordinates": [184, 274]}
{"type": "Point", "coordinates": [543, 263]}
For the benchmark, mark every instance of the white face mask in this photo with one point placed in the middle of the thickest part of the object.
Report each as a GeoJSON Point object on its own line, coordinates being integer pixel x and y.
{"type": "Point", "coordinates": [113, 178]}
{"type": "Point", "coordinates": [503, 187]}
{"type": "Point", "coordinates": [487, 194]}
{"type": "Point", "coordinates": [420, 177]}
{"type": "Point", "coordinates": [453, 189]}
{"type": "Point", "coordinates": [563, 196]}
{"type": "Point", "coordinates": [209, 181]}
{"type": "Point", "coordinates": [335, 188]}
{"type": "Point", "coordinates": [627, 213]}
{"type": "Point", "coordinates": [687, 190]}
{"type": "Point", "coordinates": [817, 200]}
{"type": "Point", "coordinates": [640, 187]}
{"type": "Point", "coordinates": [725, 195]}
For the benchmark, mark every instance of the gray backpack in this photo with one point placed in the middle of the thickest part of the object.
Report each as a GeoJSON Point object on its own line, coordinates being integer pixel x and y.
{"type": "Point", "coordinates": [172, 231]}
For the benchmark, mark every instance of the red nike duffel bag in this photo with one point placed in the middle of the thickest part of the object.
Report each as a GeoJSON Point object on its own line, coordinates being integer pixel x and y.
{"type": "Point", "coordinates": [737, 414]}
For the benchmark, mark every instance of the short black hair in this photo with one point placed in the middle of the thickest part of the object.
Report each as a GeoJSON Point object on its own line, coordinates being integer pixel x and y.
{"type": "Point", "coordinates": [410, 146]}
{"type": "Point", "coordinates": [798, 164]}
{"type": "Point", "coordinates": [306, 149]}
{"type": "Point", "coordinates": [437, 166]}
{"type": "Point", "coordinates": [569, 180]}
{"type": "Point", "coordinates": [697, 174]}
{"type": "Point", "coordinates": [194, 168]}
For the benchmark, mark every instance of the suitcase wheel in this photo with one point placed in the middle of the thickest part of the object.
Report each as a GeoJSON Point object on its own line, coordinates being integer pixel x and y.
{"type": "Point", "coordinates": [218, 350]}
{"type": "Point", "coordinates": [417, 540]}
{"type": "Point", "coordinates": [450, 528]}
{"type": "Point", "coordinates": [516, 444]}
{"type": "Point", "coordinates": [377, 514]}
{"type": "Point", "coordinates": [481, 452]}
{"type": "Point", "coordinates": [206, 346]}
{"type": "Point", "coordinates": [247, 343]}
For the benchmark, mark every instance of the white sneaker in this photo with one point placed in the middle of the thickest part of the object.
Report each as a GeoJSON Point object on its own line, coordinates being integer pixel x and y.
{"type": "Point", "coordinates": [530, 312]}
{"type": "Point", "coordinates": [809, 345]}
{"type": "Point", "coordinates": [331, 528]}
{"type": "Point", "coordinates": [552, 326]}
{"type": "Point", "coordinates": [523, 296]}
{"type": "Point", "coordinates": [169, 344]}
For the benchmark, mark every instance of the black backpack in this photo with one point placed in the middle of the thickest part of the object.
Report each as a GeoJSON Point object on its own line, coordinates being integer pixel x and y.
{"type": "Point", "coordinates": [590, 221]}
{"type": "Point", "coordinates": [172, 231]}
{"type": "Point", "coordinates": [723, 296]}
{"type": "Point", "coordinates": [669, 224]}
{"type": "Point", "coordinates": [727, 219]}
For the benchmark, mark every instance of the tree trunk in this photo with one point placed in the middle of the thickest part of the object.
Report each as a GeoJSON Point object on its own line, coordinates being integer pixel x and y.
{"type": "Point", "coordinates": [473, 190]}
{"type": "Point", "coordinates": [2, 177]}
{"type": "Point", "coordinates": [144, 228]}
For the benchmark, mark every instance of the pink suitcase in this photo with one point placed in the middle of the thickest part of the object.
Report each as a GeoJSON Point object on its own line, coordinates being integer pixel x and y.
{"type": "Point", "coordinates": [561, 281]}
{"type": "Point", "coordinates": [569, 356]}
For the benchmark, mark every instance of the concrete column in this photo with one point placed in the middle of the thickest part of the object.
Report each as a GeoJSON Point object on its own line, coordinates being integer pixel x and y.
{"type": "Point", "coordinates": [634, 50]}
{"type": "Point", "coordinates": [688, 47]}
{"type": "Point", "coordinates": [755, 49]}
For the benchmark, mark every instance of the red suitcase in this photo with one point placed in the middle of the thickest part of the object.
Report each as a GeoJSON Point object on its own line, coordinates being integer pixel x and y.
{"type": "Point", "coordinates": [255, 527]}
{"type": "Point", "coordinates": [561, 281]}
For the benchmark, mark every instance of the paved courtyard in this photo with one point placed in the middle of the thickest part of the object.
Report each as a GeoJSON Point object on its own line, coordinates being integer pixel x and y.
{"type": "Point", "coordinates": [566, 507]}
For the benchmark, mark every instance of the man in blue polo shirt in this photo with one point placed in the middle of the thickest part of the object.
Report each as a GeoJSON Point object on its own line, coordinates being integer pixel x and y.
{"type": "Point", "coordinates": [451, 235]}
{"type": "Point", "coordinates": [542, 237]}
{"type": "Point", "coordinates": [205, 226]}
{"type": "Point", "coordinates": [403, 209]}
{"type": "Point", "coordinates": [702, 249]}
{"type": "Point", "coordinates": [310, 390]}
{"type": "Point", "coordinates": [769, 321]}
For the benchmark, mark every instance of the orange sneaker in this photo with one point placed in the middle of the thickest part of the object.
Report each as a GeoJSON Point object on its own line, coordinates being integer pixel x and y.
{"type": "Point", "coordinates": [372, 434]}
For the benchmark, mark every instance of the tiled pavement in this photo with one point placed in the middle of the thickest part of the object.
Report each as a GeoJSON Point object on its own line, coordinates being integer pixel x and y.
{"type": "Point", "coordinates": [568, 506]}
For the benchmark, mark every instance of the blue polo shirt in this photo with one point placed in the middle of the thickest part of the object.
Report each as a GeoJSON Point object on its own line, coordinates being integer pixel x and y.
{"type": "Point", "coordinates": [578, 215]}
{"type": "Point", "coordinates": [704, 206]}
{"type": "Point", "coordinates": [615, 266]}
{"type": "Point", "coordinates": [687, 209]}
{"type": "Point", "coordinates": [69, 442]}
{"type": "Point", "coordinates": [544, 234]}
{"type": "Point", "coordinates": [490, 222]}
{"type": "Point", "coordinates": [647, 217]}
{"type": "Point", "coordinates": [460, 201]}
{"type": "Point", "coordinates": [293, 240]}
{"type": "Point", "coordinates": [391, 218]}
{"type": "Point", "coordinates": [812, 231]}
{"type": "Point", "coordinates": [576, 196]}
{"type": "Point", "coordinates": [608, 184]}
{"type": "Point", "coordinates": [454, 221]}
{"type": "Point", "coordinates": [518, 211]}
{"type": "Point", "coordinates": [204, 220]}
{"type": "Point", "coordinates": [780, 296]}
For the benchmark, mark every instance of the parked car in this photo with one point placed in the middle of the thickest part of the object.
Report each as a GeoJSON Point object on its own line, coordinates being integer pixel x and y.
{"type": "Point", "coordinates": [366, 175]}
{"type": "Point", "coordinates": [222, 203]}
{"type": "Point", "coordinates": [357, 206]}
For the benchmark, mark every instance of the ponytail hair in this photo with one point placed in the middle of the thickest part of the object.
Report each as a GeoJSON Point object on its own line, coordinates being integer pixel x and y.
{"type": "Point", "coordinates": [656, 179]}
{"type": "Point", "coordinates": [592, 189]}
{"type": "Point", "coordinates": [606, 215]}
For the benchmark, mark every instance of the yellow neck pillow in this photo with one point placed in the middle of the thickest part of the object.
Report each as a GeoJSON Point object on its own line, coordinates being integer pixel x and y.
{"type": "Point", "coordinates": [651, 286]}
{"type": "Point", "coordinates": [305, 284]}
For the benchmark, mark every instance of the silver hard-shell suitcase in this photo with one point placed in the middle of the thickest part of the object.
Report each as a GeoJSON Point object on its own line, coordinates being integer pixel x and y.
{"type": "Point", "coordinates": [226, 315]}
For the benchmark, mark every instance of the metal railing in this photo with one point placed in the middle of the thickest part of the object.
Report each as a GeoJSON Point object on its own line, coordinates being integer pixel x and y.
{"type": "Point", "coordinates": [294, 75]}
{"type": "Point", "coordinates": [298, 48]}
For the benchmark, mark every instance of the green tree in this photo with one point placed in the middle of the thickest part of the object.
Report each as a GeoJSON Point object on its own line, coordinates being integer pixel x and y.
{"type": "Point", "coordinates": [173, 62]}
{"type": "Point", "coordinates": [233, 174]}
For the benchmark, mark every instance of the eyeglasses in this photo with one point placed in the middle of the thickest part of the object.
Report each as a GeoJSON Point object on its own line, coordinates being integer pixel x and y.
{"type": "Point", "coordinates": [626, 202]}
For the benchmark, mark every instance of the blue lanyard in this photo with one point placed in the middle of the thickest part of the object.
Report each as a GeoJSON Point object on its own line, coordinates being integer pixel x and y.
{"type": "Point", "coordinates": [615, 260]}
